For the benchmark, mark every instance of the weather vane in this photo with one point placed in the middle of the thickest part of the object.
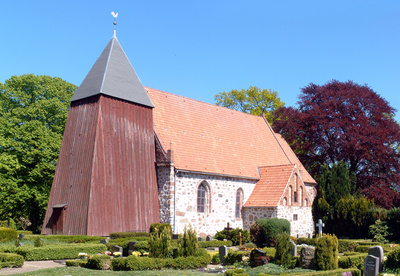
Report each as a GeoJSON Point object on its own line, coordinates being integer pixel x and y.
{"type": "Point", "coordinates": [115, 15]}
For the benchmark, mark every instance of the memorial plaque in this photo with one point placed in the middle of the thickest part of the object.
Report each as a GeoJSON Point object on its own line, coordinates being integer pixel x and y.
{"type": "Point", "coordinates": [371, 266]}
{"type": "Point", "coordinates": [258, 257]}
{"type": "Point", "coordinates": [307, 257]}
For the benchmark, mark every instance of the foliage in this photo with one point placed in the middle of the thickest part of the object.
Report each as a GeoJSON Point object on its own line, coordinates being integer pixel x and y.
{"type": "Point", "coordinates": [158, 227]}
{"type": "Point", "coordinates": [215, 259]}
{"type": "Point", "coordinates": [38, 242]}
{"type": "Point", "coordinates": [257, 234]}
{"type": "Point", "coordinates": [7, 234]}
{"type": "Point", "coordinates": [271, 228]}
{"type": "Point", "coordinates": [326, 252]}
{"type": "Point", "coordinates": [253, 100]}
{"type": "Point", "coordinates": [159, 242]}
{"type": "Point", "coordinates": [33, 113]}
{"type": "Point", "coordinates": [188, 243]}
{"type": "Point", "coordinates": [347, 245]}
{"type": "Point", "coordinates": [233, 235]}
{"type": "Point", "coordinates": [270, 252]}
{"type": "Point", "coordinates": [393, 222]}
{"type": "Point", "coordinates": [11, 260]}
{"type": "Point", "coordinates": [234, 257]}
{"type": "Point", "coordinates": [379, 231]}
{"type": "Point", "coordinates": [393, 259]}
{"type": "Point", "coordinates": [307, 241]}
{"type": "Point", "coordinates": [72, 238]}
{"type": "Point", "coordinates": [58, 252]}
{"type": "Point", "coordinates": [352, 261]}
{"type": "Point", "coordinates": [6, 223]}
{"type": "Point", "coordinates": [340, 121]}
{"type": "Point", "coordinates": [81, 263]}
{"type": "Point", "coordinates": [101, 262]}
{"type": "Point", "coordinates": [119, 235]}
{"type": "Point", "coordinates": [283, 248]}
{"type": "Point", "coordinates": [215, 243]}
{"type": "Point", "coordinates": [235, 272]}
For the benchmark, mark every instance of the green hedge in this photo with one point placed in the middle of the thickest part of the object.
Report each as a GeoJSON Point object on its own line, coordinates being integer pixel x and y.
{"type": "Point", "coordinates": [362, 248]}
{"type": "Point", "coordinates": [160, 227]}
{"type": "Point", "coordinates": [205, 244]}
{"type": "Point", "coordinates": [336, 272]}
{"type": "Point", "coordinates": [119, 235]}
{"type": "Point", "coordinates": [72, 238]}
{"type": "Point", "coordinates": [347, 246]}
{"type": "Point", "coordinates": [81, 263]}
{"type": "Point", "coordinates": [393, 259]}
{"type": "Point", "coordinates": [7, 234]}
{"type": "Point", "coordinates": [270, 251]}
{"type": "Point", "coordinates": [4, 223]}
{"type": "Point", "coordinates": [352, 261]}
{"type": "Point", "coordinates": [25, 232]}
{"type": "Point", "coordinates": [101, 262]}
{"type": "Point", "coordinates": [11, 260]}
{"type": "Point", "coordinates": [235, 257]}
{"type": "Point", "coordinates": [308, 241]}
{"type": "Point", "coordinates": [58, 252]}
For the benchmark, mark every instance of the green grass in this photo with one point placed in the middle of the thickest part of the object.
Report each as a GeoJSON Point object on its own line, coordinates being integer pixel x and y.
{"type": "Point", "coordinates": [79, 271]}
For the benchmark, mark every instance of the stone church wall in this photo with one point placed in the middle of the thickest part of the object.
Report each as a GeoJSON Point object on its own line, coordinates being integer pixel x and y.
{"type": "Point", "coordinates": [301, 221]}
{"type": "Point", "coordinates": [251, 214]}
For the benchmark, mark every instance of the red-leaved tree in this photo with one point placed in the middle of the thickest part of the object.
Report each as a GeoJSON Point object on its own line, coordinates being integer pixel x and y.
{"type": "Point", "coordinates": [345, 121]}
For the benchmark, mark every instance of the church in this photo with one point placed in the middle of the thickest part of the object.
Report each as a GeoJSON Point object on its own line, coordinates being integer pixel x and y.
{"type": "Point", "coordinates": [133, 155]}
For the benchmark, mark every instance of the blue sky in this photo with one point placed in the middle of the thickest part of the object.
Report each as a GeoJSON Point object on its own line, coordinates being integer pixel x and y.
{"type": "Point", "coordinates": [199, 48]}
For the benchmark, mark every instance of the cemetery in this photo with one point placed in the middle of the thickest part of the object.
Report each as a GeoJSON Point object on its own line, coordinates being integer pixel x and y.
{"type": "Point", "coordinates": [230, 251]}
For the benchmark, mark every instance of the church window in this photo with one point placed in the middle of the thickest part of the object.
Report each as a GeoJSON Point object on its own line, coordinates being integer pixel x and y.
{"type": "Point", "coordinates": [290, 195]}
{"type": "Point", "coordinates": [295, 217]}
{"type": "Point", "coordinates": [203, 198]}
{"type": "Point", "coordinates": [239, 202]}
{"type": "Point", "coordinates": [305, 202]}
{"type": "Point", "coordinates": [284, 201]}
{"type": "Point", "coordinates": [295, 197]}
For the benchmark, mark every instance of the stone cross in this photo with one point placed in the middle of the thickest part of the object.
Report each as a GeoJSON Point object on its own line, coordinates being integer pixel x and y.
{"type": "Point", "coordinates": [240, 238]}
{"type": "Point", "coordinates": [320, 224]}
{"type": "Point", "coordinates": [227, 228]}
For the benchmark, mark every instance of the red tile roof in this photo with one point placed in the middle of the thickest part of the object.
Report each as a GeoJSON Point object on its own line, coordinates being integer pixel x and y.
{"type": "Point", "coordinates": [269, 189]}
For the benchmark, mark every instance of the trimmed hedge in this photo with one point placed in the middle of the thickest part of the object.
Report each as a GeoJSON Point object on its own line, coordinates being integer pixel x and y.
{"type": "Point", "coordinates": [7, 234]}
{"type": "Point", "coordinates": [270, 252]}
{"type": "Point", "coordinates": [347, 246]}
{"type": "Point", "coordinates": [393, 259]}
{"type": "Point", "coordinates": [271, 228]}
{"type": "Point", "coordinates": [205, 244]}
{"type": "Point", "coordinates": [362, 248]}
{"type": "Point", "coordinates": [81, 263]}
{"type": "Point", "coordinates": [119, 235]}
{"type": "Point", "coordinates": [11, 260]}
{"type": "Point", "coordinates": [70, 239]}
{"type": "Point", "coordinates": [58, 252]}
{"type": "Point", "coordinates": [4, 223]}
{"type": "Point", "coordinates": [101, 262]}
{"type": "Point", "coordinates": [352, 261]}
{"type": "Point", "coordinates": [25, 232]}
{"type": "Point", "coordinates": [336, 272]}
{"type": "Point", "coordinates": [235, 256]}
{"type": "Point", "coordinates": [308, 241]}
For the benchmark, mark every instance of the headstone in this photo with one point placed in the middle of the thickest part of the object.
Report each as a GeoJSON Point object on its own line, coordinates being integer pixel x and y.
{"type": "Point", "coordinates": [306, 257]}
{"type": "Point", "coordinates": [258, 257]}
{"type": "Point", "coordinates": [199, 239]}
{"type": "Point", "coordinates": [293, 252]}
{"type": "Point", "coordinates": [21, 236]}
{"type": "Point", "coordinates": [320, 224]}
{"type": "Point", "coordinates": [371, 266]}
{"type": "Point", "coordinates": [175, 236]}
{"type": "Point", "coordinates": [209, 238]}
{"type": "Point", "coordinates": [377, 251]}
{"type": "Point", "coordinates": [223, 251]}
{"type": "Point", "coordinates": [131, 245]}
{"type": "Point", "coordinates": [104, 241]}
{"type": "Point", "coordinates": [117, 248]}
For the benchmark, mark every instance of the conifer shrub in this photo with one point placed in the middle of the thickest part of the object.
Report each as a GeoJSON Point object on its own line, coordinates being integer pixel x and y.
{"type": "Point", "coordinates": [159, 227]}
{"type": "Point", "coordinates": [271, 228]}
{"type": "Point", "coordinates": [11, 260]}
{"type": "Point", "coordinates": [188, 242]}
{"type": "Point", "coordinates": [393, 222]}
{"type": "Point", "coordinates": [7, 234]}
{"type": "Point", "coordinates": [326, 252]}
{"type": "Point", "coordinates": [379, 231]}
{"type": "Point", "coordinates": [393, 259]}
{"type": "Point", "coordinates": [283, 247]}
{"type": "Point", "coordinates": [159, 242]}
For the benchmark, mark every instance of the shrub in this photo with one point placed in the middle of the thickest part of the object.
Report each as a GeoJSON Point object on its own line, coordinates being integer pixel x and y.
{"type": "Point", "coordinates": [7, 234]}
{"type": "Point", "coordinates": [363, 248]}
{"type": "Point", "coordinates": [38, 242]}
{"type": "Point", "coordinates": [73, 238]}
{"type": "Point", "coordinates": [352, 261]}
{"type": "Point", "coordinates": [393, 259]}
{"type": "Point", "coordinates": [215, 259]}
{"type": "Point", "coordinates": [257, 235]}
{"type": "Point", "coordinates": [326, 252]}
{"type": "Point", "coordinates": [270, 252]}
{"type": "Point", "coordinates": [11, 260]}
{"type": "Point", "coordinates": [283, 247]}
{"type": "Point", "coordinates": [272, 227]}
{"type": "Point", "coordinates": [233, 235]}
{"type": "Point", "coordinates": [393, 222]}
{"type": "Point", "coordinates": [101, 262]}
{"type": "Point", "coordinates": [347, 246]}
{"type": "Point", "coordinates": [308, 241]}
{"type": "Point", "coordinates": [159, 242]}
{"type": "Point", "coordinates": [235, 272]}
{"type": "Point", "coordinates": [25, 232]}
{"type": "Point", "coordinates": [234, 257]}
{"type": "Point", "coordinates": [379, 231]}
{"type": "Point", "coordinates": [119, 235]}
{"type": "Point", "coordinates": [159, 227]}
{"type": "Point", "coordinates": [205, 244]}
{"type": "Point", "coordinates": [138, 263]}
{"type": "Point", "coordinates": [81, 263]}
{"type": "Point", "coordinates": [5, 224]}
{"type": "Point", "coordinates": [58, 252]}
{"type": "Point", "coordinates": [119, 264]}
{"type": "Point", "coordinates": [188, 243]}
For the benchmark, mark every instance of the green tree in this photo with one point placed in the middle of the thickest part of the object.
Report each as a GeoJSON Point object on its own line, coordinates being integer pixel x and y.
{"type": "Point", "coordinates": [253, 100]}
{"type": "Point", "coordinates": [33, 113]}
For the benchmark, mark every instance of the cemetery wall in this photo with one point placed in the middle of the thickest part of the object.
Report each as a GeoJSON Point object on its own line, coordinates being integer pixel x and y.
{"type": "Point", "coordinates": [220, 202]}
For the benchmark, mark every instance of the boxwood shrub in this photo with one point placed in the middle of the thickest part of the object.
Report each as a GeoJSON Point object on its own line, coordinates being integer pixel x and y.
{"type": "Point", "coordinates": [356, 260]}
{"type": "Point", "coordinates": [70, 239]}
{"type": "Point", "coordinates": [308, 241]}
{"type": "Point", "coordinates": [363, 248]}
{"type": "Point", "coordinates": [216, 243]}
{"type": "Point", "coordinates": [11, 260]}
{"type": "Point", "coordinates": [347, 246]}
{"type": "Point", "coordinates": [7, 234]}
{"type": "Point", "coordinates": [119, 235]}
{"type": "Point", "coordinates": [81, 263]}
{"type": "Point", "coordinates": [101, 262]}
{"type": "Point", "coordinates": [393, 259]}
{"type": "Point", "coordinates": [58, 252]}
{"type": "Point", "coordinates": [336, 272]}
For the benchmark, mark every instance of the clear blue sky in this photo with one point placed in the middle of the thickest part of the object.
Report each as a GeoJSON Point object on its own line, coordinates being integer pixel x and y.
{"type": "Point", "coordinates": [200, 48]}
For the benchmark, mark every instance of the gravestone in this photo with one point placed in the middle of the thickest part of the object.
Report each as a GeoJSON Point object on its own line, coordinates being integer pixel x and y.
{"type": "Point", "coordinates": [320, 224]}
{"type": "Point", "coordinates": [199, 239]}
{"type": "Point", "coordinates": [306, 257]}
{"type": "Point", "coordinates": [377, 251]}
{"type": "Point", "coordinates": [371, 266]}
{"type": "Point", "coordinates": [293, 252]}
{"type": "Point", "coordinates": [104, 241]}
{"type": "Point", "coordinates": [117, 248]}
{"type": "Point", "coordinates": [175, 236]}
{"type": "Point", "coordinates": [223, 251]}
{"type": "Point", "coordinates": [209, 238]}
{"type": "Point", "coordinates": [131, 247]}
{"type": "Point", "coordinates": [258, 257]}
{"type": "Point", "coordinates": [21, 236]}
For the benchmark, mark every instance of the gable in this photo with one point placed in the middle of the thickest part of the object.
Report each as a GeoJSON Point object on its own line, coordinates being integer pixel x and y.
{"type": "Point", "coordinates": [212, 139]}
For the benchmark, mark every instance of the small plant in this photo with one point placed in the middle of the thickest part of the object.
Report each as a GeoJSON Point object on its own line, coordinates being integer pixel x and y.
{"type": "Point", "coordinates": [283, 247]}
{"type": "Point", "coordinates": [159, 242]}
{"type": "Point", "coordinates": [379, 231]}
{"type": "Point", "coordinates": [188, 243]}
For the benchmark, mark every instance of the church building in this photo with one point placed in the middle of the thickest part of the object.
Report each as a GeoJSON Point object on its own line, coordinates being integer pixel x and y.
{"type": "Point", "coordinates": [133, 155]}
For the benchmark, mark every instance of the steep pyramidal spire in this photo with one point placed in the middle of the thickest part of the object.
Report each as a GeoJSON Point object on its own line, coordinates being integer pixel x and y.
{"type": "Point", "coordinates": [113, 75]}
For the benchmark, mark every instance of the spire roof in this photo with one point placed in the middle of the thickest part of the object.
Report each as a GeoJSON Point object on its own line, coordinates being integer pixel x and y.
{"type": "Point", "coordinates": [113, 75]}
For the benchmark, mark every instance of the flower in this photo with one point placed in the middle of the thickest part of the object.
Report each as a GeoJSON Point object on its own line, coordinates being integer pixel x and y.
{"type": "Point", "coordinates": [117, 254]}
{"type": "Point", "coordinates": [136, 253]}
{"type": "Point", "coordinates": [107, 253]}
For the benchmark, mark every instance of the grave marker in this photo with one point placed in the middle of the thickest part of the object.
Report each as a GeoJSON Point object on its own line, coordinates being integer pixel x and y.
{"type": "Point", "coordinates": [320, 224]}
{"type": "Point", "coordinates": [223, 251]}
{"type": "Point", "coordinates": [306, 257]}
{"type": "Point", "coordinates": [293, 252]}
{"type": "Point", "coordinates": [258, 257]}
{"type": "Point", "coordinates": [377, 251]}
{"type": "Point", "coordinates": [371, 266]}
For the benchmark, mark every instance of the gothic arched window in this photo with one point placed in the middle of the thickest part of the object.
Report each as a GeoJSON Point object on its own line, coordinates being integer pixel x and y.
{"type": "Point", "coordinates": [239, 202]}
{"type": "Point", "coordinates": [203, 197]}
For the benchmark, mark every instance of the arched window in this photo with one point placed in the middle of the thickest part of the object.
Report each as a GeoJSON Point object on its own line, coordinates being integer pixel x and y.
{"type": "Point", "coordinates": [290, 195]}
{"type": "Point", "coordinates": [203, 197]}
{"type": "Point", "coordinates": [306, 202]}
{"type": "Point", "coordinates": [294, 197]}
{"type": "Point", "coordinates": [284, 201]}
{"type": "Point", "coordinates": [239, 202]}
{"type": "Point", "coordinates": [301, 196]}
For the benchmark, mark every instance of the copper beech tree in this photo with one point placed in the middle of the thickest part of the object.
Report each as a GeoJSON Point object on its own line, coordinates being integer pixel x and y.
{"type": "Point", "coordinates": [345, 121]}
